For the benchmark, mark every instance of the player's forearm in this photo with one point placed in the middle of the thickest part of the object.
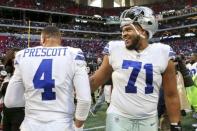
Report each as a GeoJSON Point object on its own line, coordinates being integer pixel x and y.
{"type": "Point", "coordinates": [171, 94]}
{"type": "Point", "coordinates": [173, 107]}
{"type": "Point", "coordinates": [79, 123]}
{"type": "Point", "coordinates": [102, 75]}
{"type": "Point", "coordinates": [98, 79]}
{"type": "Point", "coordinates": [82, 109]}
{"type": "Point", "coordinates": [95, 83]}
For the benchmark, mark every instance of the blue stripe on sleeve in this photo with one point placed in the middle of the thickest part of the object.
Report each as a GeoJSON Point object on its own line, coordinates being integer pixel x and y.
{"type": "Point", "coordinates": [172, 54]}
{"type": "Point", "coordinates": [106, 50]}
{"type": "Point", "coordinates": [80, 56]}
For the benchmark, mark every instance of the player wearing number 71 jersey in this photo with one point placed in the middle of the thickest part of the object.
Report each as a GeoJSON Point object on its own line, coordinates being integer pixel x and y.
{"type": "Point", "coordinates": [44, 80]}
{"type": "Point", "coordinates": [138, 71]}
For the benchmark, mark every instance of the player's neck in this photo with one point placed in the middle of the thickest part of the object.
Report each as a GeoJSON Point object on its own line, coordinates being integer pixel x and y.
{"type": "Point", "coordinates": [52, 43]}
{"type": "Point", "coordinates": [143, 45]}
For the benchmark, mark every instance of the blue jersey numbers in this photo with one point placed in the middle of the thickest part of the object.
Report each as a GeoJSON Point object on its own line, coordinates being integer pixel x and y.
{"type": "Point", "coordinates": [137, 67]}
{"type": "Point", "coordinates": [192, 72]}
{"type": "Point", "coordinates": [43, 79]}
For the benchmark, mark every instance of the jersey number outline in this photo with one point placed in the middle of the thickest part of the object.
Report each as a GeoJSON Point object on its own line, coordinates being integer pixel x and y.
{"type": "Point", "coordinates": [47, 83]}
{"type": "Point", "coordinates": [131, 88]}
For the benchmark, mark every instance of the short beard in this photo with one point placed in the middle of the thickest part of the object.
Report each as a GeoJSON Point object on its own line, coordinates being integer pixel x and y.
{"type": "Point", "coordinates": [135, 44]}
{"type": "Point", "coordinates": [192, 61]}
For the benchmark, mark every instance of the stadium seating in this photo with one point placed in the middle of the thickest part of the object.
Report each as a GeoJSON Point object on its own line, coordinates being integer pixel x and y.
{"type": "Point", "coordinates": [93, 43]}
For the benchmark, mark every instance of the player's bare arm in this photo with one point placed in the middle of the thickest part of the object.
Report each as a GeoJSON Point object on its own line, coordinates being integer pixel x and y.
{"type": "Point", "coordinates": [171, 94]}
{"type": "Point", "coordinates": [101, 75]}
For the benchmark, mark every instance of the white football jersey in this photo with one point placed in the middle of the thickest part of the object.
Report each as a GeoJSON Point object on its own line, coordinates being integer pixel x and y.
{"type": "Point", "coordinates": [193, 69]}
{"type": "Point", "coordinates": [137, 78]}
{"type": "Point", "coordinates": [49, 75]}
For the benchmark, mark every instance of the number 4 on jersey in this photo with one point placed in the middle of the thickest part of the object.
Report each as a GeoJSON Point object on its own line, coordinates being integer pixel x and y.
{"type": "Point", "coordinates": [43, 79]}
{"type": "Point", "coordinates": [131, 88]}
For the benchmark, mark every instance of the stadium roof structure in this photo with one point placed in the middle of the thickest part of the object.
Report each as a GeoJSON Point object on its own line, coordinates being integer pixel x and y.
{"type": "Point", "coordinates": [121, 3]}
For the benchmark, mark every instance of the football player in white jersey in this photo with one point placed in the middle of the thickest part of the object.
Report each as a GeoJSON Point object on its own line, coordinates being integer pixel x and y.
{"type": "Point", "coordinates": [44, 81]}
{"type": "Point", "coordinates": [192, 91]}
{"type": "Point", "coordinates": [193, 64]}
{"type": "Point", "coordinates": [138, 70]}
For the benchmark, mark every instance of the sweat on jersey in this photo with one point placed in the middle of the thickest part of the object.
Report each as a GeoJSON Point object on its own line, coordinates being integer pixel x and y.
{"type": "Point", "coordinates": [137, 78]}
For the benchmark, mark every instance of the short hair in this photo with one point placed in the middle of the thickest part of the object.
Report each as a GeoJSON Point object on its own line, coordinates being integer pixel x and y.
{"type": "Point", "coordinates": [51, 32]}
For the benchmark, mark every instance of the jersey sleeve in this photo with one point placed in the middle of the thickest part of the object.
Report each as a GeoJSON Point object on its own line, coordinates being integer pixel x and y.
{"type": "Point", "coordinates": [171, 54]}
{"type": "Point", "coordinates": [14, 96]}
{"type": "Point", "coordinates": [108, 51]}
{"type": "Point", "coordinates": [81, 80]}
{"type": "Point", "coordinates": [168, 54]}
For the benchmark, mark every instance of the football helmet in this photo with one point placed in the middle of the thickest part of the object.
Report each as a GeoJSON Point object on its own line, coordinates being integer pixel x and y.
{"type": "Point", "coordinates": [143, 16]}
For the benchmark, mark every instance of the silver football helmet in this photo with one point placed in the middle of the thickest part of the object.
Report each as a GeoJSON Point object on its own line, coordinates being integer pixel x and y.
{"type": "Point", "coordinates": [143, 16]}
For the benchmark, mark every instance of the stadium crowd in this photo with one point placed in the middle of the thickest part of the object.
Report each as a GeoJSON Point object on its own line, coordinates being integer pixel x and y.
{"type": "Point", "coordinates": [93, 44]}
{"type": "Point", "coordinates": [93, 48]}
{"type": "Point", "coordinates": [71, 7]}
{"type": "Point", "coordinates": [91, 26]}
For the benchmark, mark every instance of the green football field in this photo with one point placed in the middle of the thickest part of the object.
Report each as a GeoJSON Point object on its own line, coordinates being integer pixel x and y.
{"type": "Point", "coordinates": [97, 123]}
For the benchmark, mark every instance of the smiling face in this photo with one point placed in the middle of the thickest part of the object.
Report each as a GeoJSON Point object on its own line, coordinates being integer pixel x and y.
{"type": "Point", "coordinates": [130, 36]}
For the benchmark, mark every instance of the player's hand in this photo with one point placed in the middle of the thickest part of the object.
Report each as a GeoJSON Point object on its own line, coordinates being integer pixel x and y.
{"type": "Point", "coordinates": [78, 128]}
{"type": "Point", "coordinates": [175, 127]}
{"type": "Point", "coordinates": [78, 125]}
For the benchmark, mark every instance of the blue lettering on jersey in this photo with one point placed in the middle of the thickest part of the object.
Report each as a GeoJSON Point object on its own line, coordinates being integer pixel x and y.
{"type": "Point", "coordinates": [192, 72]}
{"type": "Point", "coordinates": [149, 78]}
{"type": "Point", "coordinates": [26, 51]}
{"type": "Point", "coordinates": [47, 83]}
{"type": "Point", "coordinates": [131, 88]}
{"type": "Point", "coordinates": [54, 52]}
{"type": "Point", "coordinates": [32, 52]}
{"type": "Point", "coordinates": [37, 52]}
{"type": "Point", "coordinates": [49, 52]}
{"type": "Point", "coordinates": [43, 52]}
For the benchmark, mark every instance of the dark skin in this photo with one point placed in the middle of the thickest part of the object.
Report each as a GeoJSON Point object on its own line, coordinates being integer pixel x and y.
{"type": "Point", "coordinates": [169, 76]}
{"type": "Point", "coordinates": [132, 39]}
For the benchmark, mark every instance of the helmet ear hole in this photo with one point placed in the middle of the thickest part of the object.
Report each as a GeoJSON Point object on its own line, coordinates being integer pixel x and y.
{"type": "Point", "coordinates": [150, 23]}
{"type": "Point", "coordinates": [147, 33]}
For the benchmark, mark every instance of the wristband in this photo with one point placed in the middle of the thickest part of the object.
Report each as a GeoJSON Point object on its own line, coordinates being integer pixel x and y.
{"type": "Point", "coordinates": [175, 126]}
{"type": "Point", "coordinates": [78, 129]}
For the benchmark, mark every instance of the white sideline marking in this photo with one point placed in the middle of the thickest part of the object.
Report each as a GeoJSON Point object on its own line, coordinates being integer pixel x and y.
{"type": "Point", "coordinates": [98, 127]}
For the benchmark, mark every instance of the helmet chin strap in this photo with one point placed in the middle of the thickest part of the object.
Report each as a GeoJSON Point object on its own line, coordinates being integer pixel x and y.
{"type": "Point", "coordinates": [137, 31]}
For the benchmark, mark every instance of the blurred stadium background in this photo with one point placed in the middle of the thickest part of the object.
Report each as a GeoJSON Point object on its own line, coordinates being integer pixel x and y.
{"type": "Point", "coordinates": [88, 27]}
